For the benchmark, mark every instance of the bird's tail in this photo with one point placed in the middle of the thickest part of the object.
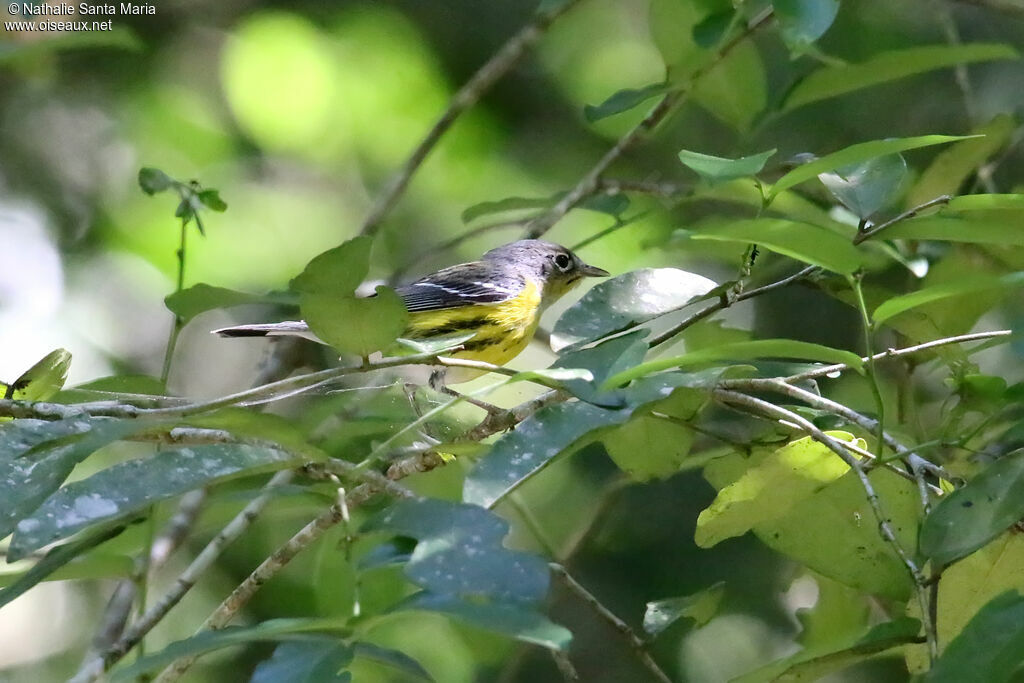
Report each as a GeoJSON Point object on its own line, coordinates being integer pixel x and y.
{"type": "Point", "coordinates": [288, 328]}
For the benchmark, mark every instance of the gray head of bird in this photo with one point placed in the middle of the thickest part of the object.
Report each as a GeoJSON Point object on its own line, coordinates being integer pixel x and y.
{"type": "Point", "coordinates": [548, 264]}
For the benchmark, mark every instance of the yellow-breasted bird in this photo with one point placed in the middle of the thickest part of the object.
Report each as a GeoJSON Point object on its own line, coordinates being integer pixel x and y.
{"type": "Point", "coordinates": [500, 297]}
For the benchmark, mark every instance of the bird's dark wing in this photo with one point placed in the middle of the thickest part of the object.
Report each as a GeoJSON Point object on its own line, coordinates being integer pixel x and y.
{"type": "Point", "coordinates": [468, 284]}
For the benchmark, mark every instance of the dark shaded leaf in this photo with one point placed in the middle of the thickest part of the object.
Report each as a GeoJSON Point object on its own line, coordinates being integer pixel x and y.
{"type": "Point", "coordinates": [710, 30]}
{"type": "Point", "coordinates": [990, 649]}
{"type": "Point", "coordinates": [129, 487]}
{"type": "Point", "coordinates": [394, 659]}
{"type": "Point", "coordinates": [976, 513]}
{"type": "Point", "coordinates": [153, 180]}
{"type": "Point", "coordinates": [719, 169]}
{"type": "Point", "coordinates": [699, 607]}
{"type": "Point", "coordinates": [804, 21]}
{"type": "Point", "coordinates": [623, 100]}
{"type": "Point", "coordinates": [626, 300]}
{"type": "Point", "coordinates": [306, 661]}
{"type": "Point", "coordinates": [868, 186]}
{"type": "Point", "coordinates": [602, 360]}
{"type": "Point", "coordinates": [511, 620]}
{"type": "Point", "coordinates": [460, 551]}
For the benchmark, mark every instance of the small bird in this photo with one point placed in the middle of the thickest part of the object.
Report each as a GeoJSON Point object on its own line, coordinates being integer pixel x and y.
{"type": "Point", "coordinates": [500, 297]}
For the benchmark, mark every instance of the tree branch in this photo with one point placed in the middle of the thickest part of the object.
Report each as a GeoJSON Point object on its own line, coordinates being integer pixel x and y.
{"type": "Point", "coordinates": [862, 235]}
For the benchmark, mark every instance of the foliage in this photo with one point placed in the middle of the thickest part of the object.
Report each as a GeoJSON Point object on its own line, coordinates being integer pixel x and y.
{"type": "Point", "coordinates": [863, 424]}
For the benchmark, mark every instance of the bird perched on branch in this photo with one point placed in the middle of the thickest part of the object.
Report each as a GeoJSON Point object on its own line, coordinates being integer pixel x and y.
{"type": "Point", "coordinates": [500, 298]}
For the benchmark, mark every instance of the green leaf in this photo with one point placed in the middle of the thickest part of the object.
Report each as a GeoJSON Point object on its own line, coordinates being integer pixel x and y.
{"type": "Point", "coordinates": [300, 630]}
{"type": "Point", "coordinates": [533, 445]}
{"type": "Point", "coordinates": [710, 30]}
{"type": "Point", "coordinates": [394, 659]}
{"type": "Point", "coordinates": [759, 348]}
{"type": "Point", "coordinates": [805, 242]}
{"type": "Point", "coordinates": [855, 154]}
{"type": "Point", "coordinates": [602, 360]}
{"type": "Point", "coordinates": [36, 457]}
{"type": "Point", "coordinates": [510, 620]}
{"type": "Point", "coordinates": [888, 66]}
{"type": "Point", "coordinates": [699, 607]}
{"type": "Point", "coordinates": [43, 380]}
{"type": "Point", "coordinates": [963, 286]}
{"type": "Point", "coordinates": [153, 180]}
{"type": "Point", "coordinates": [716, 89]}
{"type": "Point", "coordinates": [306, 661]}
{"type": "Point", "coordinates": [770, 489]}
{"type": "Point", "coordinates": [868, 186]}
{"type": "Point", "coordinates": [804, 21]}
{"type": "Point", "coordinates": [990, 649]}
{"type": "Point", "coordinates": [648, 447]}
{"type": "Point", "coordinates": [130, 487]}
{"type": "Point", "coordinates": [355, 325]}
{"type": "Point", "coordinates": [87, 565]}
{"type": "Point", "coordinates": [613, 205]}
{"type": "Point", "coordinates": [436, 344]}
{"type": "Point", "coordinates": [211, 200]}
{"type": "Point", "coordinates": [623, 100]}
{"type": "Point", "coordinates": [626, 300]}
{"type": "Point", "coordinates": [719, 169]}
{"type": "Point", "coordinates": [460, 551]}
{"type": "Point", "coordinates": [978, 219]}
{"type": "Point", "coordinates": [190, 302]}
{"type": "Point", "coordinates": [337, 271]}
{"type": "Point", "coordinates": [952, 166]}
{"type": "Point", "coordinates": [975, 514]}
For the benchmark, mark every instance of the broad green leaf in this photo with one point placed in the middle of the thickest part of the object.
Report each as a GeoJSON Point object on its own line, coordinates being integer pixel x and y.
{"type": "Point", "coordinates": [531, 446]}
{"type": "Point", "coordinates": [514, 621]}
{"type": "Point", "coordinates": [130, 487]}
{"type": "Point", "coordinates": [300, 630]}
{"type": "Point", "coordinates": [719, 169]}
{"type": "Point", "coordinates": [710, 30]}
{"type": "Point", "coordinates": [648, 447]}
{"type": "Point", "coordinates": [54, 559]}
{"type": "Point", "coordinates": [626, 300]}
{"type": "Point", "coordinates": [460, 552]}
{"type": "Point", "coordinates": [613, 205]}
{"type": "Point", "coordinates": [700, 607]}
{"type": "Point", "coordinates": [36, 457]}
{"type": "Point", "coordinates": [840, 614]}
{"type": "Point", "coordinates": [188, 303]}
{"type": "Point", "coordinates": [759, 348]}
{"type": "Point", "coordinates": [969, 285]}
{"type": "Point", "coordinates": [975, 514]}
{"type": "Point", "coordinates": [88, 565]}
{"type": "Point", "coordinates": [603, 360]}
{"type": "Point", "coordinates": [393, 658]}
{"type": "Point", "coordinates": [211, 200]}
{"type": "Point", "coordinates": [990, 649]}
{"type": "Point", "coordinates": [855, 154]}
{"type": "Point", "coordinates": [716, 90]}
{"type": "Point", "coordinates": [337, 271]}
{"type": "Point", "coordinates": [306, 661]}
{"type": "Point", "coordinates": [805, 242]}
{"type": "Point", "coordinates": [952, 166]}
{"type": "Point", "coordinates": [888, 66]}
{"type": "Point", "coordinates": [623, 100]}
{"type": "Point", "coordinates": [770, 489]}
{"type": "Point", "coordinates": [153, 180]}
{"type": "Point", "coordinates": [804, 21]}
{"type": "Point", "coordinates": [43, 380]}
{"type": "Point", "coordinates": [868, 186]}
{"type": "Point", "coordinates": [980, 219]}
{"type": "Point", "coordinates": [355, 325]}
{"type": "Point", "coordinates": [991, 202]}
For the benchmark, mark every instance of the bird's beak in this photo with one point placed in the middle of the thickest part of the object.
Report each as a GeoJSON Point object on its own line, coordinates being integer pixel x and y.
{"type": "Point", "coordinates": [593, 271]}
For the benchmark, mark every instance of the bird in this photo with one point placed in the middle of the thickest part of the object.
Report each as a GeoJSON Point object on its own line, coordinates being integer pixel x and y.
{"type": "Point", "coordinates": [499, 298]}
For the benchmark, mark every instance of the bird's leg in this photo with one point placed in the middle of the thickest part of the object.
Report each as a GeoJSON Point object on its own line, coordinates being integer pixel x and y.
{"type": "Point", "coordinates": [437, 384]}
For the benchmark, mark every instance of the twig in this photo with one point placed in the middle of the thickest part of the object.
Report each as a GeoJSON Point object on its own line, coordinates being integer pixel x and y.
{"type": "Point", "coordinates": [910, 213]}
{"type": "Point", "coordinates": [480, 82]}
{"type": "Point", "coordinates": [399, 274]}
{"type": "Point", "coordinates": [591, 181]}
{"type": "Point", "coordinates": [634, 641]}
{"type": "Point", "coordinates": [884, 527]}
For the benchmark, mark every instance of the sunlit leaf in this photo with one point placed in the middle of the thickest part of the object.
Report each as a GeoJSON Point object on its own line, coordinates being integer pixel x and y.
{"type": "Point", "coordinates": [989, 649]}
{"type": "Point", "coordinates": [460, 552]}
{"type": "Point", "coordinates": [623, 100]}
{"type": "Point", "coordinates": [626, 300]}
{"type": "Point", "coordinates": [718, 169]}
{"type": "Point", "coordinates": [868, 186]}
{"type": "Point", "coordinates": [770, 489]}
{"type": "Point", "coordinates": [43, 380]}
{"type": "Point", "coordinates": [855, 154]}
{"type": "Point", "coordinates": [888, 66]}
{"type": "Point", "coordinates": [306, 661]}
{"type": "Point", "coordinates": [533, 445]}
{"type": "Point", "coordinates": [510, 620]}
{"type": "Point", "coordinates": [353, 324]}
{"type": "Point", "coordinates": [976, 513]}
{"type": "Point", "coordinates": [336, 271]}
{"type": "Point", "coordinates": [130, 487]}
{"type": "Point", "coordinates": [648, 447]}
{"type": "Point", "coordinates": [700, 607]}
{"type": "Point", "coordinates": [805, 242]}
{"type": "Point", "coordinates": [759, 348]}
{"type": "Point", "coordinates": [804, 21]}
{"type": "Point", "coordinates": [968, 285]}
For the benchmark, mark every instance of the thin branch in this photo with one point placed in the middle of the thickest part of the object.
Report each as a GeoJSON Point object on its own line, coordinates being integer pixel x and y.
{"type": "Point", "coordinates": [635, 643]}
{"type": "Point", "coordinates": [591, 181]}
{"type": "Point", "coordinates": [862, 235]}
{"type": "Point", "coordinates": [480, 82]}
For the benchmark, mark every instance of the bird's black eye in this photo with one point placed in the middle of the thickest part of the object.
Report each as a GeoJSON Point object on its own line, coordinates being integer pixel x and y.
{"type": "Point", "coordinates": [563, 261]}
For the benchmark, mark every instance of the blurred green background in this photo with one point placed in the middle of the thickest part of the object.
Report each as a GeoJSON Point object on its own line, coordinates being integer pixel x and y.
{"type": "Point", "coordinates": [298, 112]}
